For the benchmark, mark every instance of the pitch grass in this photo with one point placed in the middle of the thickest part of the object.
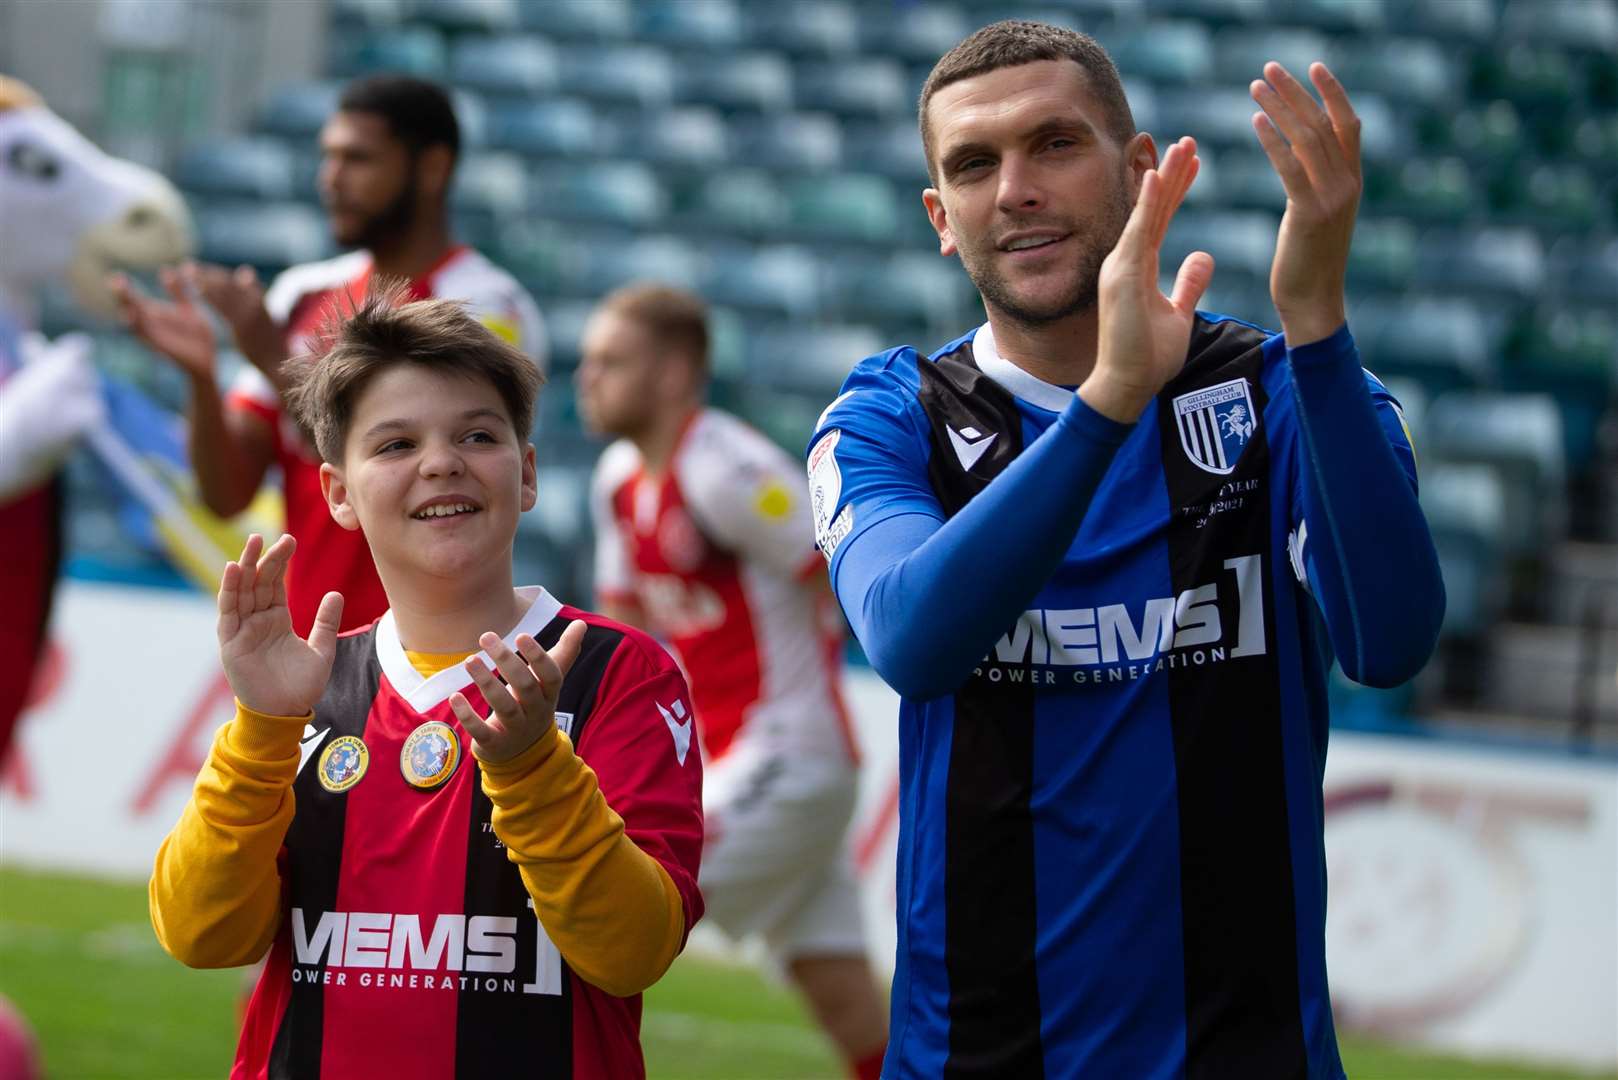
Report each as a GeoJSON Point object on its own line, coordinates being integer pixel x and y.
{"type": "Point", "coordinates": [78, 959]}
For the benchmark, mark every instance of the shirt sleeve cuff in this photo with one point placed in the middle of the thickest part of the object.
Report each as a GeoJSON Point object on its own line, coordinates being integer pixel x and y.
{"type": "Point", "coordinates": [503, 774]}
{"type": "Point", "coordinates": [1328, 350]}
{"type": "Point", "coordinates": [264, 737]}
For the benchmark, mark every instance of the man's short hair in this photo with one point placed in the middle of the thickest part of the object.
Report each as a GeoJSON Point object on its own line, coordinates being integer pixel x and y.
{"type": "Point", "coordinates": [388, 329]}
{"type": "Point", "coordinates": [418, 113]}
{"type": "Point", "coordinates": [673, 316]}
{"type": "Point", "coordinates": [1014, 42]}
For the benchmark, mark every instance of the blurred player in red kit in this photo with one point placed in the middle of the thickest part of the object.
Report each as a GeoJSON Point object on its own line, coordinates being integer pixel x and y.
{"type": "Point", "coordinates": [388, 157]}
{"type": "Point", "coordinates": [704, 536]}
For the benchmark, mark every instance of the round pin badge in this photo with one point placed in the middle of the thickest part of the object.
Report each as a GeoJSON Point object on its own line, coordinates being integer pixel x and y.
{"type": "Point", "coordinates": [342, 763]}
{"type": "Point", "coordinates": [430, 755]}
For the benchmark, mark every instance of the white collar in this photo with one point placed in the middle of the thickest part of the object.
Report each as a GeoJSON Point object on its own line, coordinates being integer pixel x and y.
{"type": "Point", "coordinates": [424, 694]}
{"type": "Point", "coordinates": [1035, 391]}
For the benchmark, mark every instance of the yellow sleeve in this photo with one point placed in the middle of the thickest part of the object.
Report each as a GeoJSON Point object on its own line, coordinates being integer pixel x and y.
{"type": "Point", "coordinates": [609, 907]}
{"type": "Point", "coordinates": [215, 893]}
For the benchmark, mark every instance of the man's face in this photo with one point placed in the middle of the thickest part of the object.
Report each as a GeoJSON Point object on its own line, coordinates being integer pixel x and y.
{"type": "Point", "coordinates": [367, 179]}
{"type": "Point", "coordinates": [1032, 190]}
{"type": "Point", "coordinates": [433, 473]}
{"type": "Point", "coordinates": [619, 377]}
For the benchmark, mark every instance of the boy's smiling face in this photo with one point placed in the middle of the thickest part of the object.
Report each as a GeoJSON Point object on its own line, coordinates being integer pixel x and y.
{"type": "Point", "coordinates": [433, 473]}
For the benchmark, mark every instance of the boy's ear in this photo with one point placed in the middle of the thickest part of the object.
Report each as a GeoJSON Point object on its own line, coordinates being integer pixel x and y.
{"type": "Point", "coordinates": [530, 477]}
{"type": "Point", "coordinates": [335, 488]}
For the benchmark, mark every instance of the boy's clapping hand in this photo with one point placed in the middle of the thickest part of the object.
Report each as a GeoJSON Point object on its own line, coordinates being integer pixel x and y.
{"type": "Point", "coordinates": [271, 669]}
{"type": "Point", "coordinates": [524, 703]}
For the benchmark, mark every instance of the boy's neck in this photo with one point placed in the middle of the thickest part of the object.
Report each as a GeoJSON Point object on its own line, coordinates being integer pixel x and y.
{"type": "Point", "coordinates": [445, 617]}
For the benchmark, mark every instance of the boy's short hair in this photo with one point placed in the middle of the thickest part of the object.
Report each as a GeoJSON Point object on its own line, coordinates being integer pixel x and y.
{"type": "Point", "coordinates": [673, 316]}
{"type": "Point", "coordinates": [387, 329]}
{"type": "Point", "coordinates": [1014, 42]}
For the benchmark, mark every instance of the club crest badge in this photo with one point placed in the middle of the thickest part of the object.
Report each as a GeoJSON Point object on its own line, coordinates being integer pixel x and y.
{"type": "Point", "coordinates": [430, 755]}
{"type": "Point", "coordinates": [342, 763]}
{"type": "Point", "coordinates": [1216, 423]}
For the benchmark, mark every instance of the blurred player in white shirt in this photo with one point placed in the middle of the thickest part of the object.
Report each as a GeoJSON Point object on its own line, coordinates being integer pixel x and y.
{"type": "Point", "coordinates": [704, 536]}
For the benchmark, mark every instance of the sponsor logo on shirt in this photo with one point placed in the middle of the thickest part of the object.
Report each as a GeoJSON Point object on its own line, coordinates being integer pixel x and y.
{"type": "Point", "coordinates": [387, 950]}
{"type": "Point", "coordinates": [1123, 642]}
{"type": "Point", "coordinates": [1216, 424]}
{"type": "Point", "coordinates": [837, 532]}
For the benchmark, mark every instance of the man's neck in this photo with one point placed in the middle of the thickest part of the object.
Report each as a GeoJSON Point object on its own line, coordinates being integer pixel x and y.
{"type": "Point", "coordinates": [661, 438]}
{"type": "Point", "coordinates": [1062, 353]}
{"type": "Point", "coordinates": [439, 616]}
{"type": "Point", "coordinates": [415, 251]}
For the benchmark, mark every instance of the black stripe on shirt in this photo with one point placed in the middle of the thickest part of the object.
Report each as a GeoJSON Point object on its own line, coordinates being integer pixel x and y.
{"type": "Point", "coordinates": [990, 930]}
{"type": "Point", "coordinates": [1242, 1011]}
{"type": "Point", "coordinates": [314, 846]}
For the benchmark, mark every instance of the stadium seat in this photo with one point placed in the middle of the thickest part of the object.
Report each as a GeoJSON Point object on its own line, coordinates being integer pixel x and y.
{"type": "Point", "coordinates": [1246, 181]}
{"type": "Point", "coordinates": [1520, 435]}
{"type": "Point", "coordinates": [700, 24]}
{"type": "Point", "coordinates": [812, 359]}
{"type": "Point", "coordinates": [1529, 75]}
{"type": "Point", "coordinates": [760, 81]}
{"type": "Point", "coordinates": [242, 166]}
{"type": "Point", "coordinates": [268, 236]}
{"type": "Point", "coordinates": [1217, 117]}
{"type": "Point", "coordinates": [1453, 20]}
{"type": "Point", "coordinates": [850, 206]}
{"type": "Point", "coordinates": [564, 330]}
{"type": "Point", "coordinates": [1178, 53]}
{"type": "Point", "coordinates": [1338, 16]}
{"type": "Point", "coordinates": [547, 128]}
{"type": "Point", "coordinates": [917, 33]}
{"type": "Point", "coordinates": [1500, 261]}
{"type": "Point", "coordinates": [1595, 141]}
{"type": "Point", "coordinates": [1211, 11]}
{"type": "Point", "coordinates": [692, 136]}
{"type": "Point", "coordinates": [472, 114]}
{"type": "Point", "coordinates": [775, 279]}
{"type": "Point", "coordinates": [493, 183]}
{"type": "Point", "coordinates": [368, 12]}
{"type": "Point", "coordinates": [1406, 70]}
{"type": "Point", "coordinates": [579, 20]}
{"type": "Point", "coordinates": [1383, 255]}
{"type": "Point", "coordinates": [1571, 353]}
{"type": "Point", "coordinates": [1443, 343]}
{"type": "Point", "coordinates": [1241, 241]}
{"type": "Point", "coordinates": [298, 110]}
{"type": "Point", "coordinates": [868, 86]}
{"type": "Point", "coordinates": [827, 28]}
{"type": "Point", "coordinates": [791, 142]}
{"type": "Point", "coordinates": [1556, 198]}
{"type": "Point", "coordinates": [617, 192]}
{"type": "Point", "coordinates": [1585, 268]}
{"type": "Point", "coordinates": [891, 148]}
{"type": "Point", "coordinates": [595, 268]}
{"type": "Point", "coordinates": [1412, 399]}
{"type": "Point", "coordinates": [1240, 53]}
{"type": "Point", "coordinates": [1465, 506]}
{"type": "Point", "coordinates": [1423, 189]}
{"type": "Point", "coordinates": [641, 75]}
{"type": "Point", "coordinates": [913, 287]}
{"type": "Point", "coordinates": [745, 202]}
{"type": "Point", "coordinates": [411, 50]}
{"type": "Point", "coordinates": [513, 65]}
{"type": "Point", "coordinates": [467, 16]}
{"type": "Point", "coordinates": [1567, 24]}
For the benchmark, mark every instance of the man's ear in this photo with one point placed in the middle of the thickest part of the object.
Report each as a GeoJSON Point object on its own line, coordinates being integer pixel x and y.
{"type": "Point", "coordinates": [530, 477]}
{"type": "Point", "coordinates": [335, 488]}
{"type": "Point", "coordinates": [435, 166]}
{"type": "Point", "coordinates": [934, 202]}
{"type": "Point", "coordinates": [1140, 155]}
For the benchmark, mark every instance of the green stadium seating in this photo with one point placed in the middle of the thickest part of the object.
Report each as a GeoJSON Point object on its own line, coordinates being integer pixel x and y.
{"type": "Point", "coordinates": [1240, 53]}
{"type": "Point", "coordinates": [746, 202]}
{"type": "Point", "coordinates": [850, 206]}
{"type": "Point", "coordinates": [298, 110]}
{"type": "Point", "coordinates": [242, 166]}
{"type": "Point", "coordinates": [491, 182]}
{"type": "Point", "coordinates": [549, 128]}
{"type": "Point", "coordinates": [596, 265]}
{"type": "Point", "coordinates": [638, 75]}
{"type": "Point", "coordinates": [867, 86]}
{"type": "Point", "coordinates": [1406, 70]}
{"type": "Point", "coordinates": [705, 24]}
{"type": "Point", "coordinates": [918, 33]}
{"type": "Point", "coordinates": [691, 136]}
{"type": "Point", "coordinates": [759, 81]}
{"type": "Point", "coordinates": [617, 192]}
{"type": "Point", "coordinates": [267, 236]}
{"type": "Point", "coordinates": [1338, 16]}
{"type": "Point", "coordinates": [1443, 343]}
{"type": "Point", "coordinates": [1450, 21]}
{"type": "Point", "coordinates": [1499, 261]}
{"type": "Point", "coordinates": [579, 20]}
{"type": "Point", "coordinates": [1178, 53]}
{"type": "Point", "coordinates": [791, 142]}
{"type": "Point", "coordinates": [1520, 435]}
{"type": "Point", "coordinates": [812, 359]}
{"type": "Point", "coordinates": [777, 279]}
{"type": "Point", "coordinates": [467, 16]}
{"type": "Point", "coordinates": [1383, 255]}
{"type": "Point", "coordinates": [521, 66]}
{"type": "Point", "coordinates": [412, 50]}
{"type": "Point", "coordinates": [1566, 24]}
{"type": "Point", "coordinates": [1465, 506]}
{"type": "Point", "coordinates": [829, 29]}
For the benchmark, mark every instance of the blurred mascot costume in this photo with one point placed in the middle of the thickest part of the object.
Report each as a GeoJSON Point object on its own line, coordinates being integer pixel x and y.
{"type": "Point", "coordinates": [68, 213]}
